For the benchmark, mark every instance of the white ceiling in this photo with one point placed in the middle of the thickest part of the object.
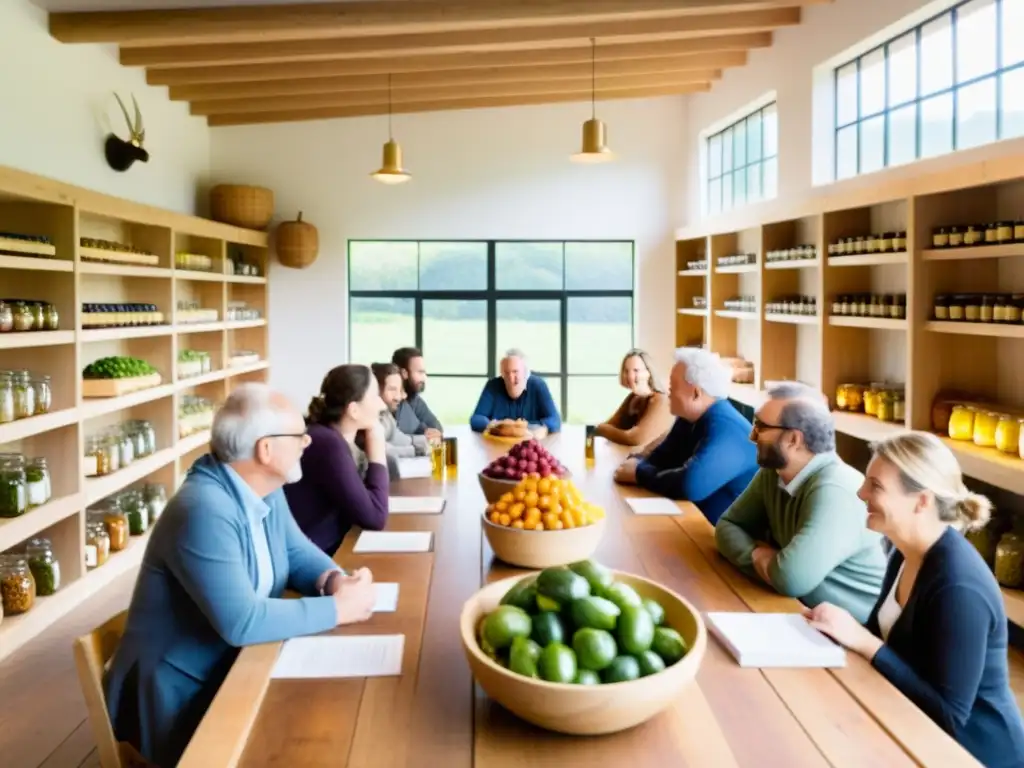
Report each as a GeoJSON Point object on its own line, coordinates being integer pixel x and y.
{"type": "Point", "coordinates": [141, 5]}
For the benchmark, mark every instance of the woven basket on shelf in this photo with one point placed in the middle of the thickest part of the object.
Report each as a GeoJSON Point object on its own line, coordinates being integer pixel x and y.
{"type": "Point", "coordinates": [242, 205]}
{"type": "Point", "coordinates": [297, 243]}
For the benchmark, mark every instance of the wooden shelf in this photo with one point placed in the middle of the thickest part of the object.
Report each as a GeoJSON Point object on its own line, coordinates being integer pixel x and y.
{"type": "Point", "coordinates": [881, 323]}
{"type": "Point", "coordinates": [865, 427]}
{"type": "Point", "coordinates": [99, 406]}
{"type": "Point", "coordinates": [693, 273]}
{"type": "Point", "coordinates": [1013, 599]}
{"type": "Point", "coordinates": [97, 488]}
{"type": "Point", "coordinates": [868, 259]}
{"type": "Point", "coordinates": [997, 330]}
{"type": "Point", "coordinates": [195, 274]}
{"type": "Point", "coordinates": [793, 264]}
{"type": "Point", "coordinates": [188, 444]}
{"type": "Point", "coordinates": [245, 279]}
{"type": "Point", "coordinates": [974, 252]}
{"type": "Point", "coordinates": [15, 530]}
{"type": "Point", "coordinates": [116, 334]}
{"type": "Point", "coordinates": [233, 325]}
{"type": "Point", "coordinates": [735, 315]}
{"type": "Point", "coordinates": [737, 269]}
{"type": "Point", "coordinates": [989, 465]}
{"type": "Point", "coordinates": [122, 270]}
{"type": "Point", "coordinates": [694, 312]}
{"type": "Point", "coordinates": [27, 339]}
{"type": "Point", "coordinates": [36, 264]}
{"type": "Point", "coordinates": [21, 429]}
{"type": "Point", "coordinates": [779, 317]}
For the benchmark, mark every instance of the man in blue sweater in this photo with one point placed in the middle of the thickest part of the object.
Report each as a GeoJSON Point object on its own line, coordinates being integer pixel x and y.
{"type": "Point", "coordinates": [516, 395]}
{"type": "Point", "coordinates": [707, 458]}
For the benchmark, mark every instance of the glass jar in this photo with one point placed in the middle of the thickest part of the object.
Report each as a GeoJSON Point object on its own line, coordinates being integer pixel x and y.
{"type": "Point", "coordinates": [97, 545]}
{"type": "Point", "coordinates": [961, 423]}
{"type": "Point", "coordinates": [885, 405]}
{"type": "Point", "coordinates": [96, 462]}
{"type": "Point", "coordinates": [985, 540]}
{"type": "Point", "coordinates": [13, 486]}
{"type": "Point", "coordinates": [991, 233]}
{"type": "Point", "coordinates": [146, 438]}
{"type": "Point", "coordinates": [37, 479]}
{"type": "Point", "coordinates": [956, 307]}
{"type": "Point", "coordinates": [850, 397]}
{"type": "Point", "coordinates": [941, 309]}
{"type": "Point", "coordinates": [112, 447]}
{"type": "Point", "coordinates": [44, 566]}
{"type": "Point", "coordinates": [1014, 306]}
{"type": "Point", "coordinates": [871, 397]}
{"type": "Point", "coordinates": [973, 235]}
{"type": "Point", "coordinates": [17, 587]}
{"type": "Point", "coordinates": [6, 398]}
{"type": "Point", "coordinates": [116, 524]}
{"type": "Point", "coordinates": [42, 393]}
{"type": "Point", "coordinates": [863, 304]}
{"type": "Point", "coordinates": [972, 308]}
{"type": "Point", "coordinates": [136, 511]}
{"type": "Point", "coordinates": [24, 395]}
{"type": "Point", "coordinates": [1004, 232]}
{"type": "Point", "coordinates": [985, 423]}
{"type": "Point", "coordinates": [987, 311]}
{"type": "Point", "coordinates": [956, 237]}
{"type": "Point", "coordinates": [156, 500]}
{"type": "Point", "coordinates": [22, 319]}
{"type": "Point", "coordinates": [1020, 440]}
{"type": "Point", "coordinates": [51, 318]}
{"type": "Point", "coordinates": [126, 446]}
{"type": "Point", "coordinates": [940, 237]}
{"type": "Point", "coordinates": [899, 241]}
{"type": "Point", "coordinates": [899, 407]}
{"type": "Point", "coordinates": [999, 309]}
{"type": "Point", "coordinates": [1009, 561]}
{"type": "Point", "coordinates": [6, 317]}
{"type": "Point", "coordinates": [38, 316]}
{"type": "Point", "coordinates": [1008, 433]}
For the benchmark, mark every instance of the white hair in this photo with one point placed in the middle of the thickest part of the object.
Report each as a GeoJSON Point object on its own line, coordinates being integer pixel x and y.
{"type": "Point", "coordinates": [706, 371]}
{"type": "Point", "coordinates": [516, 352]}
{"type": "Point", "coordinates": [246, 416]}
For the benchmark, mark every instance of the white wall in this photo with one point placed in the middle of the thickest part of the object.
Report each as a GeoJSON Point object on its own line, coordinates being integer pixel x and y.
{"type": "Point", "coordinates": [57, 106]}
{"type": "Point", "coordinates": [493, 173]}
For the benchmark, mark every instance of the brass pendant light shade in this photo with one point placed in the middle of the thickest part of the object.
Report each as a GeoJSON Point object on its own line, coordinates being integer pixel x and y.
{"type": "Point", "coordinates": [391, 170]}
{"type": "Point", "coordinates": [594, 150]}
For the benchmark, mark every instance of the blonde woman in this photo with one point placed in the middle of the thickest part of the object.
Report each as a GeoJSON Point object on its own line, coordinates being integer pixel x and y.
{"type": "Point", "coordinates": [938, 631]}
{"type": "Point", "coordinates": [644, 414]}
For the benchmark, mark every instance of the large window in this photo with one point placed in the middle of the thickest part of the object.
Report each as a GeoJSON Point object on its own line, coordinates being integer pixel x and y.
{"type": "Point", "coordinates": [567, 305]}
{"type": "Point", "coordinates": [953, 82]}
{"type": "Point", "coordinates": [742, 161]}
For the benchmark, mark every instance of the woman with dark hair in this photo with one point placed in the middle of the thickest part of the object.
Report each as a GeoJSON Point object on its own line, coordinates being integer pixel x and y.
{"type": "Point", "coordinates": [644, 414]}
{"type": "Point", "coordinates": [341, 485]}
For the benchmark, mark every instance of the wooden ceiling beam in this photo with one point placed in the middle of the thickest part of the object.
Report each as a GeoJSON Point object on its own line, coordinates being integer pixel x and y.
{"type": "Point", "coordinates": [606, 72]}
{"type": "Point", "coordinates": [274, 23]}
{"type": "Point", "coordinates": [461, 42]}
{"type": "Point", "coordinates": [605, 52]}
{"type": "Point", "coordinates": [328, 113]}
{"type": "Point", "coordinates": [447, 93]}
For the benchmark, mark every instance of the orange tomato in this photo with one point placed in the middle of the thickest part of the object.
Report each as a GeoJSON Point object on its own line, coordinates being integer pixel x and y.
{"type": "Point", "coordinates": [504, 520]}
{"type": "Point", "coordinates": [501, 506]}
{"type": "Point", "coordinates": [549, 519]}
{"type": "Point", "coordinates": [567, 520]}
{"type": "Point", "coordinates": [519, 494]}
{"type": "Point", "coordinates": [516, 510]}
{"type": "Point", "coordinates": [530, 484]}
{"type": "Point", "coordinates": [495, 517]}
{"type": "Point", "coordinates": [544, 502]}
{"type": "Point", "coordinates": [528, 524]}
{"type": "Point", "coordinates": [531, 499]}
{"type": "Point", "coordinates": [558, 525]}
{"type": "Point", "coordinates": [556, 509]}
{"type": "Point", "coordinates": [539, 527]}
{"type": "Point", "coordinates": [533, 515]}
{"type": "Point", "coordinates": [506, 498]}
{"type": "Point", "coordinates": [518, 524]}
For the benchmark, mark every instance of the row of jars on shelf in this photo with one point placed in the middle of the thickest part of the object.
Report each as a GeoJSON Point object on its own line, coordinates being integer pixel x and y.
{"type": "Point", "coordinates": [698, 265]}
{"type": "Point", "coordinates": [796, 253]}
{"type": "Point", "coordinates": [20, 315]}
{"type": "Point", "coordinates": [120, 315]}
{"type": "Point", "coordinates": [111, 523]}
{"type": "Point", "coordinates": [24, 394]}
{"type": "Point", "coordinates": [987, 429]}
{"type": "Point", "coordinates": [792, 305]}
{"type": "Point", "coordinates": [195, 414]}
{"type": "Point", "coordinates": [239, 266]}
{"type": "Point", "coordinates": [883, 242]}
{"type": "Point", "coordinates": [27, 575]}
{"type": "Point", "coordinates": [118, 447]}
{"type": "Point", "coordinates": [110, 245]}
{"type": "Point", "coordinates": [700, 302]}
{"type": "Point", "coordinates": [737, 259]}
{"type": "Point", "coordinates": [24, 484]}
{"type": "Point", "coordinates": [195, 262]}
{"type": "Point", "coordinates": [883, 401]}
{"type": "Point", "coordinates": [194, 312]}
{"type": "Point", "coordinates": [891, 305]}
{"type": "Point", "coordinates": [967, 235]}
{"type": "Point", "coordinates": [239, 310]}
{"type": "Point", "coordinates": [979, 307]}
{"type": "Point", "coordinates": [740, 304]}
{"type": "Point", "coordinates": [193, 362]}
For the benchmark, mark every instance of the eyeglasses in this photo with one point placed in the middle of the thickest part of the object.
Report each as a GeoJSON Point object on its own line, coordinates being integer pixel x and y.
{"type": "Point", "coordinates": [303, 436]}
{"type": "Point", "coordinates": [763, 426]}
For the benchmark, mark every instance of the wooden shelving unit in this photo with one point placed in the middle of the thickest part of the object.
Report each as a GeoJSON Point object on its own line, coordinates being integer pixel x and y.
{"type": "Point", "coordinates": [32, 205]}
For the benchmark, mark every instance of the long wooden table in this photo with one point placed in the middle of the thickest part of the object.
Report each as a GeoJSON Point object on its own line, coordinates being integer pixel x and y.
{"type": "Point", "coordinates": [433, 716]}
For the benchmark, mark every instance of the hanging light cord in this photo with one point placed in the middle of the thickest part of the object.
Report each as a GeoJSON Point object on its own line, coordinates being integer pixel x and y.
{"type": "Point", "coordinates": [593, 77]}
{"type": "Point", "coordinates": [390, 135]}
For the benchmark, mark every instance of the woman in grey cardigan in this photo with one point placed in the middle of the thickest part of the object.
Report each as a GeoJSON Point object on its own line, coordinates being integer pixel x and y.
{"type": "Point", "coordinates": [398, 445]}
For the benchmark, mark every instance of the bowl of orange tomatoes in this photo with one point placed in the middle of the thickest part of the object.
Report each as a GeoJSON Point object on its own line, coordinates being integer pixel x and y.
{"type": "Point", "coordinates": [542, 522]}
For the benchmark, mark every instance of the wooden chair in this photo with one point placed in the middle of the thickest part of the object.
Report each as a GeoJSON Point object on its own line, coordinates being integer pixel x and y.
{"type": "Point", "coordinates": [92, 652]}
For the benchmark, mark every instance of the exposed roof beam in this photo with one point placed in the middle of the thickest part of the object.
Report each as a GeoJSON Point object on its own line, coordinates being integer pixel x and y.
{"type": "Point", "coordinates": [605, 52]}
{"type": "Point", "coordinates": [606, 72]}
{"type": "Point", "coordinates": [456, 42]}
{"type": "Point", "coordinates": [447, 93]}
{"type": "Point", "coordinates": [345, 19]}
{"type": "Point", "coordinates": [327, 113]}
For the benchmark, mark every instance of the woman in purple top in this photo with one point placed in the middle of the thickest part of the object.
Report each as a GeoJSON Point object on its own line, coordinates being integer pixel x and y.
{"type": "Point", "coordinates": [342, 486]}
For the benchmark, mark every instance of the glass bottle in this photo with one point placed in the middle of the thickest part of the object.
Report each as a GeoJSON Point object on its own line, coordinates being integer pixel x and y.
{"type": "Point", "coordinates": [116, 523]}
{"type": "Point", "coordinates": [156, 494]}
{"type": "Point", "coordinates": [51, 318]}
{"type": "Point", "coordinates": [97, 462]}
{"type": "Point", "coordinates": [6, 398]}
{"type": "Point", "coordinates": [6, 317]}
{"type": "Point", "coordinates": [37, 482]}
{"type": "Point", "coordinates": [23, 320]}
{"type": "Point", "coordinates": [13, 486]}
{"type": "Point", "coordinates": [97, 545]}
{"type": "Point", "coordinates": [42, 392]}
{"type": "Point", "coordinates": [44, 566]}
{"type": "Point", "coordinates": [24, 395]}
{"type": "Point", "coordinates": [17, 587]}
{"type": "Point", "coordinates": [136, 511]}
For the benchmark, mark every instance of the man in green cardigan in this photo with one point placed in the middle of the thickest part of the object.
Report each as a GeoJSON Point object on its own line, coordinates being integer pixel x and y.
{"type": "Point", "coordinates": [799, 526]}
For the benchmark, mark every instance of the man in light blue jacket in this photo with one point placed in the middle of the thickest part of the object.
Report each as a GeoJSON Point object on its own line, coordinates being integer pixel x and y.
{"type": "Point", "coordinates": [211, 580]}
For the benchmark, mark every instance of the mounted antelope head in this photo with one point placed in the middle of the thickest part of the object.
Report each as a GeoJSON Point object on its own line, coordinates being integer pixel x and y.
{"type": "Point", "coordinates": [122, 154]}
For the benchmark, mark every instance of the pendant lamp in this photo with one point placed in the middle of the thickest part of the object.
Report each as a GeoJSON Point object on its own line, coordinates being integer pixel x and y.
{"type": "Point", "coordinates": [391, 171]}
{"type": "Point", "coordinates": [594, 148]}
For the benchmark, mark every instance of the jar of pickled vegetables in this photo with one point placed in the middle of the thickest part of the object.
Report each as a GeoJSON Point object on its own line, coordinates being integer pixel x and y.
{"type": "Point", "coordinates": [985, 423]}
{"type": "Point", "coordinates": [850, 397]}
{"type": "Point", "coordinates": [961, 423]}
{"type": "Point", "coordinates": [44, 566]}
{"type": "Point", "coordinates": [51, 318]}
{"type": "Point", "coordinates": [156, 500]}
{"type": "Point", "coordinates": [17, 587]}
{"type": "Point", "coordinates": [871, 397]}
{"type": "Point", "coordinates": [97, 545]}
{"type": "Point", "coordinates": [1008, 433]}
{"type": "Point", "coordinates": [42, 392]}
{"type": "Point", "coordinates": [24, 395]}
{"type": "Point", "coordinates": [6, 398]}
{"type": "Point", "coordinates": [137, 512]}
{"type": "Point", "coordinates": [1009, 561]}
{"type": "Point", "coordinates": [899, 407]}
{"type": "Point", "coordinates": [23, 320]}
{"type": "Point", "coordinates": [885, 409]}
{"type": "Point", "coordinates": [116, 523]}
{"type": "Point", "coordinates": [96, 462]}
{"type": "Point", "coordinates": [985, 541]}
{"type": "Point", "coordinates": [37, 480]}
{"type": "Point", "coordinates": [13, 486]}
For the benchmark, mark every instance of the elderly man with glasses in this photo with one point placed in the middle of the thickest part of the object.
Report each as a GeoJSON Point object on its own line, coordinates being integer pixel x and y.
{"type": "Point", "coordinates": [799, 526]}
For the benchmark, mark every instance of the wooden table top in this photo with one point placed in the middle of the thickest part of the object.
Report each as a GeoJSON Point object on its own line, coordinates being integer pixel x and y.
{"type": "Point", "coordinates": [434, 716]}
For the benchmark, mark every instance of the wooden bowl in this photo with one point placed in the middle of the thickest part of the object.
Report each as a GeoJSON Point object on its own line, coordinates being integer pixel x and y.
{"type": "Point", "coordinates": [542, 549]}
{"type": "Point", "coordinates": [587, 710]}
{"type": "Point", "coordinates": [494, 487]}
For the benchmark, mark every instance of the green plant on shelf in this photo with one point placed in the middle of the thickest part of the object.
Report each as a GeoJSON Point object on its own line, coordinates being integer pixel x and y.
{"type": "Point", "coordinates": [117, 367]}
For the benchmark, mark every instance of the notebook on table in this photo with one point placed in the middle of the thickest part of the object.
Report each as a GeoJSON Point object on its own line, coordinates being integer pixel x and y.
{"type": "Point", "coordinates": [774, 640]}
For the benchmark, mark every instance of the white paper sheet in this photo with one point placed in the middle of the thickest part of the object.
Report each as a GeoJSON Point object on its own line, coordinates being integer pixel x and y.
{"type": "Point", "coordinates": [654, 506]}
{"type": "Point", "coordinates": [387, 597]}
{"type": "Point", "coordinates": [774, 640]}
{"type": "Point", "coordinates": [420, 466]}
{"type": "Point", "coordinates": [393, 541]}
{"type": "Point", "coordinates": [332, 656]}
{"type": "Point", "coordinates": [415, 505]}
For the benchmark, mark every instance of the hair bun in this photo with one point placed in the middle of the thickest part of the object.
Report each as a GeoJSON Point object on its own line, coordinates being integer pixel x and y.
{"type": "Point", "coordinates": [973, 511]}
{"type": "Point", "coordinates": [316, 408]}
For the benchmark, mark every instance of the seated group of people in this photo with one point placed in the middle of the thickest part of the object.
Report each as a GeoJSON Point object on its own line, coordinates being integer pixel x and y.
{"type": "Point", "coordinates": [268, 507]}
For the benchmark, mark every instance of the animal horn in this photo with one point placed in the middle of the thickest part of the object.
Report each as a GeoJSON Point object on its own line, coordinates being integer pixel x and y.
{"type": "Point", "coordinates": [139, 132]}
{"type": "Point", "coordinates": [124, 112]}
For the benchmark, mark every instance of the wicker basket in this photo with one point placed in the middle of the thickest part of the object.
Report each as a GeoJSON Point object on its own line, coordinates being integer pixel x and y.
{"type": "Point", "coordinates": [242, 206]}
{"type": "Point", "coordinates": [297, 243]}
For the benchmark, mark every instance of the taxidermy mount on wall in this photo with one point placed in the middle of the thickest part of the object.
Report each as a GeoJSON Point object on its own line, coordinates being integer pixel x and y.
{"type": "Point", "coordinates": [122, 154]}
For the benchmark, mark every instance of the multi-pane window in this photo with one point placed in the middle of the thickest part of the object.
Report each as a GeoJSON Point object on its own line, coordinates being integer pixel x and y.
{"type": "Point", "coordinates": [742, 161]}
{"type": "Point", "coordinates": [953, 82]}
{"type": "Point", "coordinates": [567, 305]}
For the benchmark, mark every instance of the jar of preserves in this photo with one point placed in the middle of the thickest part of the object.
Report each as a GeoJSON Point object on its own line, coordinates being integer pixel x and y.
{"type": "Point", "coordinates": [941, 310]}
{"type": "Point", "coordinates": [97, 545]}
{"type": "Point", "coordinates": [51, 318]}
{"type": "Point", "coordinates": [1014, 305]}
{"type": "Point", "coordinates": [112, 447]}
{"type": "Point", "coordinates": [17, 587]}
{"type": "Point", "coordinates": [999, 309]}
{"type": "Point", "coordinates": [871, 396]}
{"type": "Point", "coordinates": [991, 233]}
{"type": "Point", "coordinates": [24, 395]}
{"type": "Point", "coordinates": [23, 320]}
{"type": "Point", "coordinates": [136, 511]}
{"type": "Point", "coordinates": [973, 235]}
{"type": "Point", "coordinates": [116, 523]}
{"type": "Point", "coordinates": [850, 397]}
{"type": "Point", "coordinates": [96, 461]}
{"type": "Point", "coordinates": [886, 405]}
{"type": "Point", "coordinates": [956, 237]}
{"type": "Point", "coordinates": [940, 237]}
{"type": "Point", "coordinates": [1004, 232]}
{"type": "Point", "coordinates": [42, 393]}
{"type": "Point", "coordinates": [972, 308]}
{"type": "Point", "coordinates": [961, 423]}
{"type": "Point", "coordinates": [1009, 561]}
{"type": "Point", "coordinates": [38, 318]}
{"type": "Point", "coordinates": [1008, 433]}
{"type": "Point", "coordinates": [899, 407]}
{"type": "Point", "coordinates": [863, 304]}
{"type": "Point", "coordinates": [6, 317]}
{"type": "Point", "coordinates": [956, 307]}
{"type": "Point", "coordinates": [126, 446]}
{"type": "Point", "coordinates": [6, 398]}
{"type": "Point", "coordinates": [44, 566]}
{"type": "Point", "coordinates": [156, 500]}
{"type": "Point", "coordinates": [37, 479]}
{"type": "Point", "coordinates": [985, 423]}
{"type": "Point", "coordinates": [985, 540]}
{"type": "Point", "coordinates": [899, 241]}
{"type": "Point", "coordinates": [987, 312]}
{"type": "Point", "coordinates": [13, 486]}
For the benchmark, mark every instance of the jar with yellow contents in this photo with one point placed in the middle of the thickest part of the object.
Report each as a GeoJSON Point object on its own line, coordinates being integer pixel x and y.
{"type": "Point", "coordinates": [961, 423]}
{"type": "Point", "coordinates": [871, 397]}
{"type": "Point", "coordinates": [985, 423]}
{"type": "Point", "coordinates": [1008, 433]}
{"type": "Point", "coordinates": [850, 397]}
{"type": "Point", "coordinates": [1009, 561]}
{"type": "Point", "coordinates": [886, 409]}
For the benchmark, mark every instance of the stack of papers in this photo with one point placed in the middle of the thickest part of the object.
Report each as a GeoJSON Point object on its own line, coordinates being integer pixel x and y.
{"type": "Point", "coordinates": [415, 505]}
{"type": "Point", "coordinates": [654, 506]}
{"type": "Point", "coordinates": [333, 656]}
{"type": "Point", "coordinates": [387, 597]}
{"type": "Point", "coordinates": [774, 640]}
{"type": "Point", "coordinates": [419, 466]}
{"type": "Point", "coordinates": [393, 541]}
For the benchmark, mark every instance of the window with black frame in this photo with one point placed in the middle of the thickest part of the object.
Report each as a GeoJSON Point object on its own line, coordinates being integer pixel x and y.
{"type": "Point", "coordinates": [742, 161]}
{"type": "Point", "coordinates": [567, 304]}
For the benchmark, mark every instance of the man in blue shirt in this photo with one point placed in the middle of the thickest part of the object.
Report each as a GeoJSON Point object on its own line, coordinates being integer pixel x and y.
{"type": "Point", "coordinates": [707, 458]}
{"type": "Point", "coordinates": [516, 395]}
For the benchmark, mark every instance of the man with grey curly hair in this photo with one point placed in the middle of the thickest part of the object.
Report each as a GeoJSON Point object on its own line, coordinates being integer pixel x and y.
{"type": "Point", "coordinates": [800, 526]}
{"type": "Point", "coordinates": [706, 458]}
